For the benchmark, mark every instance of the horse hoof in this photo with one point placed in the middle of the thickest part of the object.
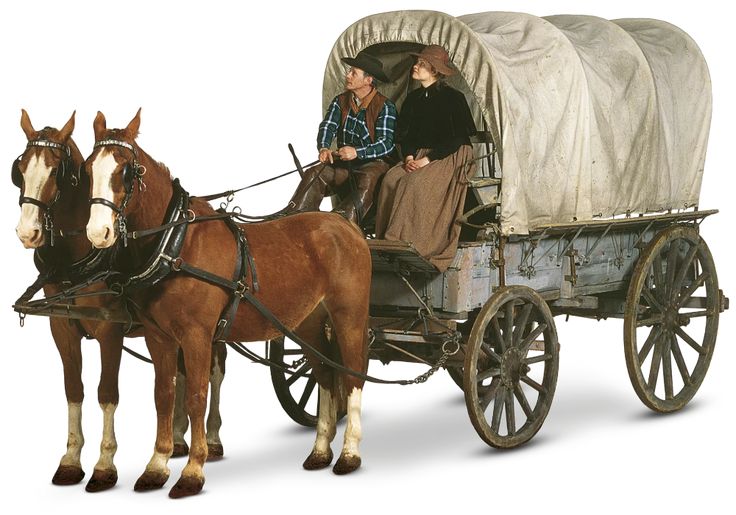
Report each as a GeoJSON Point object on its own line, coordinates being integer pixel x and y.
{"type": "Point", "coordinates": [346, 464]}
{"type": "Point", "coordinates": [317, 461]}
{"type": "Point", "coordinates": [150, 481]}
{"type": "Point", "coordinates": [214, 451]}
{"type": "Point", "coordinates": [180, 449]}
{"type": "Point", "coordinates": [102, 480]}
{"type": "Point", "coordinates": [186, 486]}
{"type": "Point", "coordinates": [67, 475]}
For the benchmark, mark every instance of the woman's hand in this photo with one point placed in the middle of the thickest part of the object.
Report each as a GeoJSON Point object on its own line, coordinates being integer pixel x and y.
{"type": "Point", "coordinates": [416, 164]}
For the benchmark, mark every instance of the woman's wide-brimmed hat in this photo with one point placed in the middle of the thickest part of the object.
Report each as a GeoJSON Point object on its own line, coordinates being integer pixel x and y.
{"type": "Point", "coordinates": [437, 57]}
{"type": "Point", "coordinates": [368, 63]}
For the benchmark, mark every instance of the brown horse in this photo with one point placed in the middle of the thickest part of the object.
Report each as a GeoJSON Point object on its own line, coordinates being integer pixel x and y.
{"type": "Point", "coordinates": [312, 268]}
{"type": "Point", "coordinates": [48, 175]}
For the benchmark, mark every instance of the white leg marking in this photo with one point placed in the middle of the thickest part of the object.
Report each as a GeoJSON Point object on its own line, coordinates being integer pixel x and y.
{"type": "Point", "coordinates": [109, 444]}
{"type": "Point", "coordinates": [75, 440]}
{"type": "Point", "coordinates": [326, 421]}
{"type": "Point", "coordinates": [181, 420]}
{"type": "Point", "coordinates": [214, 421]}
{"type": "Point", "coordinates": [29, 226]}
{"type": "Point", "coordinates": [353, 432]}
{"type": "Point", "coordinates": [100, 229]}
{"type": "Point", "coordinates": [159, 463]}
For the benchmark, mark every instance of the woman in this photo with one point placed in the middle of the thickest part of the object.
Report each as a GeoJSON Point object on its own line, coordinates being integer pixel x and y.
{"type": "Point", "coordinates": [421, 199]}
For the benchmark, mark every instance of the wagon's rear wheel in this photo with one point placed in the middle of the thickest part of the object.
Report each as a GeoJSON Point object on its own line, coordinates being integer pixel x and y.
{"type": "Point", "coordinates": [297, 393]}
{"type": "Point", "coordinates": [671, 319]}
{"type": "Point", "coordinates": [510, 373]}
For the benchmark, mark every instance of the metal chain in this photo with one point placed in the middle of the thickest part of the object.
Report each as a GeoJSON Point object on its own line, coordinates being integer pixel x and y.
{"type": "Point", "coordinates": [446, 353]}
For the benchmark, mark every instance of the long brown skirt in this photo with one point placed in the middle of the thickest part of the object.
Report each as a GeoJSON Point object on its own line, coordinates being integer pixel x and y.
{"type": "Point", "coordinates": [423, 207]}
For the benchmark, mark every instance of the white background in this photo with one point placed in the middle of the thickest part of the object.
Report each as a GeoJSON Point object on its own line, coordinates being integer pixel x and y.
{"type": "Point", "coordinates": [224, 88]}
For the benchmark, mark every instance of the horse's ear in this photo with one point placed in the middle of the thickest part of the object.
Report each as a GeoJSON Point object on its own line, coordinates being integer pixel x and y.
{"type": "Point", "coordinates": [99, 125]}
{"type": "Point", "coordinates": [132, 129]}
{"type": "Point", "coordinates": [25, 124]}
{"type": "Point", "coordinates": [67, 130]}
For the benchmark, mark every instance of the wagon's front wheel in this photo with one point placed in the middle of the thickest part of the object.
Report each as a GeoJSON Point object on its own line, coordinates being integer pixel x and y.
{"type": "Point", "coordinates": [672, 309]}
{"type": "Point", "coordinates": [511, 365]}
{"type": "Point", "coordinates": [297, 392]}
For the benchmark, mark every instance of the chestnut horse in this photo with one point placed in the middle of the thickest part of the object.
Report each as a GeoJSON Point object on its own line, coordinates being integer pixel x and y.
{"type": "Point", "coordinates": [311, 268]}
{"type": "Point", "coordinates": [51, 185]}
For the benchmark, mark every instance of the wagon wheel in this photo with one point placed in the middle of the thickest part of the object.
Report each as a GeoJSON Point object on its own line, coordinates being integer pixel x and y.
{"type": "Point", "coordinates": [672, 309]}
{"type": "Point", "coordinates": [510, 375]}
{"type": "Point", "coordinates": [297, 393]}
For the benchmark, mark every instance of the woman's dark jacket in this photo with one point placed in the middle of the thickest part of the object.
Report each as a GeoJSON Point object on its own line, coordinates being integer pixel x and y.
{"type": "Point", "coordinates": [437, 118]}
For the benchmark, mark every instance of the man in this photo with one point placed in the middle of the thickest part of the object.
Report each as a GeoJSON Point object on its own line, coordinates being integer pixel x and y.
{"type": "Point", "coordinates": [363, 121]}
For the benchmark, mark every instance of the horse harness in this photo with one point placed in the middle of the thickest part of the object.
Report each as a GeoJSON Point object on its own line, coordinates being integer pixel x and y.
{"type": "Point", "coordinates": [65, 174]}
{"type": "Point", "coordinates": [132, 173]}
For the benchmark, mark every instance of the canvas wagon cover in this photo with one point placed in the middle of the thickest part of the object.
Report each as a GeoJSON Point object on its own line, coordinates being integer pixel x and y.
{"type": "Point", "coordinates": [593, 118]}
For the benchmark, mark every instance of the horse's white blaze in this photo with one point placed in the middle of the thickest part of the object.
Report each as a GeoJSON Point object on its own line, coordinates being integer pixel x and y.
{"type": "Point", "coordinates": [101, 226]}
{"type": "Point", "coordinates": [214, 421]}
{"type": "Point", "coordinates": [35, 177]}
{"type": "Point", "coordinates": [327, 418]}
{"type": "Point", "coordinates": [353, 432]}
{"type": "Point", "coordinates": [75, 439]}
{"type": "Point", "coordinates": [109, 445]}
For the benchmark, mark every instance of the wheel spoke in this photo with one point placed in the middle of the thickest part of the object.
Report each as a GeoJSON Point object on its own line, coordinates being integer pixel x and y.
{"type": "Point", "coordinates": [497, 331]}
{"type": "Point", "coordinates": [497, 408]}
{"type": "Point", "coordinates": [672, 256]}
{"type": "Point", "coordinates": [687, 339]}
{"type": "Point", "coordinates": [491, 372]}
{"type": "Point", "coordinates": [667, 367]}
{"type": "Point", "coordinates": [491, 354]}
{"type": "Point", "coordinates": [537, 359]}
{"type": "Point", "coordinates": [680, 361]}
{"type": "Point", "coordinates": [654, 303]}
{"type": "Point", "coordinates": [691, 289]}
{"type": "Point", "coordinates": [522, 322]}
{"type": "Point", "coordinates": [521, 397]}
{"type": "Point", "coordinates": [684, 267]}
{"type": "Point", "coordinates": [510, 413]}
{"type": "Point", "coordinates": [696, 314]}
{"type": "Point", "coordinates": [651, 340]}
{"type": "Point", "coordinates": [311, 382]}
{"type": "Point", "coordinates": [300, 372]}
{"type": "Point", "coordinates": [658, 279]}
{"type": "Point", "coordinates": [526, 343]}
{"type": "Point", "coordinates": [508, 332]}
{"type": "Point", "coordinates": [531, 382]}
{"type": "Point", "coordinates": [654, 367]}
{"type": "Point", "coordinates": [490, 394]}
{"type": "Point", "coordinates": [652, 320]}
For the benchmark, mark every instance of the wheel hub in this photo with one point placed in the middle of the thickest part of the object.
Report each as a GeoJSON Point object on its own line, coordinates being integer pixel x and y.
{"type": "Point", "coordinates": [512, 367]}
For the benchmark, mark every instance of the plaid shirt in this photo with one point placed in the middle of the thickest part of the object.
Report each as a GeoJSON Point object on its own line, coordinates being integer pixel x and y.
{"type": "Point", "coordinates": [355, 132]}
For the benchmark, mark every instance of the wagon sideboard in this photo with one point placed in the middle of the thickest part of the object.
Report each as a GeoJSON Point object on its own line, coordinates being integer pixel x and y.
{"type": "Point", "coordinates": [580, 268]}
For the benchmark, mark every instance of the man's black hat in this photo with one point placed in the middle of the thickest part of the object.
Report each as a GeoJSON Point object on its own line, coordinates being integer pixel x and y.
{"type": "Point", "coordinates": [368, 63]}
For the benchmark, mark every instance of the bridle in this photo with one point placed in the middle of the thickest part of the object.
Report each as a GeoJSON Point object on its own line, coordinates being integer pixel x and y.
{"type": "Point", "coordinates": [133, 171]}
{"type": "Point", "coordinates": [65, 168]}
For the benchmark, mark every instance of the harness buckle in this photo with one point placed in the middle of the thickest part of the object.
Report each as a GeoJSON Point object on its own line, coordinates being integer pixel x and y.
{"type": "Point", "coordinates": [241, 289]}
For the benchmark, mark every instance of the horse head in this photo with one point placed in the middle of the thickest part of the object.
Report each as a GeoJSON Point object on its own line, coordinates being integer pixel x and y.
{"type": "Point", "coordinates": [113, 169]}
{"type": "Point", "coordinates": [48, 166]}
